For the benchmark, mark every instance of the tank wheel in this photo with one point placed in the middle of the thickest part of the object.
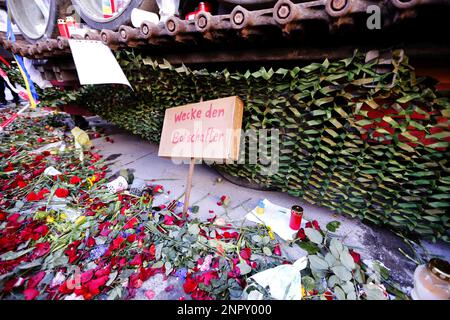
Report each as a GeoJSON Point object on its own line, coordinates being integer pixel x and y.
{"type": "Point", "coordinates": [92, 13]}
{"type": "Point", "coordinates": [36, 19]}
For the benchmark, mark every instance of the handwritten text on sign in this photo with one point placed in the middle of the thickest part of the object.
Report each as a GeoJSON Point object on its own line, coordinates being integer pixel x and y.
{"type": "Point", "coordinates": [204, 130]}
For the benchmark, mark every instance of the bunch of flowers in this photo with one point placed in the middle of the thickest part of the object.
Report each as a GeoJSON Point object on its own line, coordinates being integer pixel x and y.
{"type": "Point", "coordinates": [64, 235]}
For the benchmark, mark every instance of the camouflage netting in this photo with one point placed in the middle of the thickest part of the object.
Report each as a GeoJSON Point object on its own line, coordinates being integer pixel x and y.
{"type": "Point", "coordinates": [349, 140]}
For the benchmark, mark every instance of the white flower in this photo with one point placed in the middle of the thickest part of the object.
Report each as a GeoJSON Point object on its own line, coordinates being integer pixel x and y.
{"type": "Point", "coordinates": [58, 279]}
{"type": "Point", "coordinates": [206, 264]}
{"type": "Point", "coordinates": [220, 221]}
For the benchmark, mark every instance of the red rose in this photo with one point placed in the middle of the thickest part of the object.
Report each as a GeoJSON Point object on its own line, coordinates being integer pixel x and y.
{"type": "Point", "coordinates": [117, 242]}
{"type": "Point", "coordinates": [94, 285]}
{"type": "Point", "coordinates": [61, 193]}
{"type": "Point", "coordinates": [42, 230]}
{"type": "Point", "coordinates": [30, 294]}
{"type": "Point", "coordinates": [42, 193]}
{"type": "Point", "coordinates": [66, 287]}
{"type": "Point", "coordinates": [152, 249]}
{"type": "Point", "coordinates": [277, 250]}
{"type": "Point", "coordinates": [32, 196]}
{"type": "Point", "coordinates": [137, 260]}
{"type": "Point", "coordinates": [328, 295]}
{"type": "Point", "coordinates": [90, 242]}
{"type": "Point", "coordinates": [130, 224]}
{"type": "Point", "coordinates": [190, 284]}
{"type": "Point", "coordinates": [35, 280]}
{"type": "Point", "coordinates": [169, 220]}
{"type": "Point", "coordinates": [301, 234]}
{"type": "Point", "coordinates": [40, 140]}
{"type": "Point", "coordinates": [87, 276]}
{"type": "Point", "coordinates": [356, 256]}
{"type": "Point", "coordinates": [14, 217]}
{"type": "Point", "coordinates": [22, 184]}
{"type": "Point", "coordinates": [41, 249]}
{"type": "Point", "coordinates": [314, 224]}
{"type": "Point", "coordinates": [75, 180]}
{"type": "Point", "coordinates": [132, 237]}
{"type": "Point", "coordinates": [246, 253]}
{"type": "Point", "coordinates": [135, 281]}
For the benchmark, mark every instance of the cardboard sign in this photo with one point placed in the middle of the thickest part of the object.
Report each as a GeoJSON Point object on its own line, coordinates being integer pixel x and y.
{"type": "Point", "coordinates": [205, 130]}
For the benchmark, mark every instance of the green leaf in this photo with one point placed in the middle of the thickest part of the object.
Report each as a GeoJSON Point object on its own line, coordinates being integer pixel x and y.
{"type": "Point", "coordinates": [333, 226]}
{"type": "Point", "coordinates": [333, 280]}
{"type": "Point", "coordinates": [314, 235]}
{"type": "Point", "coordinates": [347, 260]}
{"type": "Point", "coordinates": [11, 255]}
{"type": "Point", "coordinates": [195, 209]}
{"type": "Point", "coordinates": [112, 277]}
{"type": "Point", "coordinates": [340, 294]}
{"type": "Point", "coordinates": [309, 247]}
{"type": "Point", "coordinates": [194, 228]}
{"type": "Point", "coordinates": [244, 268]}
{"type": "Point", "coordinates": [158, 265]}
{"type": "Point", "coordinates": [267, 251]}
{"type": "Point", "coordinates": [256, 239]}
{"type": "Point", "coordinates": [336, 248]}
{"type": "Point", "coordinates": [330, 259]}
{"type": "Point", "coordinates": [318, 263]}
{"type": "Point", "coordinates": [342, 273]}
{"type": "Point", "coordinates": [308, 283]}
{"type": "Point", "coordinates": [373, 292]}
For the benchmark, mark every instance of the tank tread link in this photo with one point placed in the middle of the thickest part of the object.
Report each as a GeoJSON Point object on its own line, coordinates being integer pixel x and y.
{"type": "Point", "coordinates": [284, 21]}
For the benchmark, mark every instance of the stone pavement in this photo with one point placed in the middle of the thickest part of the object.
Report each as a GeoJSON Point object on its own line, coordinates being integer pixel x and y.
{"type": "Point", "coordinates": [131, 151]}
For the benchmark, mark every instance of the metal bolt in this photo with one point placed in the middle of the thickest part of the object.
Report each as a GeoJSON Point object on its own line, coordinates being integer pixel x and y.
{"type": "Point", "coordinates": [338, 5]}
{"type": "Point", "coordinates": [284, 11]}
{"type": "Point", "coordinates": [145, 29]}
{"type": "Point", "coordinates": [238, 17]}
{"type": "Point", "coordinates": [202, 22]}
{"type": "Point", "coordinates": [171, 26]}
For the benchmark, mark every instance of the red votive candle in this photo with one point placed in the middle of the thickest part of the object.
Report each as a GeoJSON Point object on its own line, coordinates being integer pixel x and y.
{"type": "Point", "coordinates": [296, 217]}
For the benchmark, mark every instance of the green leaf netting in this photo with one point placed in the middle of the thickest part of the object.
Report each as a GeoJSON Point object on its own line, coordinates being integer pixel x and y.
{"type": "Point", "coordinates": [350, 141]}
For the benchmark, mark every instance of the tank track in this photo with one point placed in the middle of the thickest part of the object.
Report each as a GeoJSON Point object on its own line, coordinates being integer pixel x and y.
{"type": "Point", "coordinates": [283, 22]}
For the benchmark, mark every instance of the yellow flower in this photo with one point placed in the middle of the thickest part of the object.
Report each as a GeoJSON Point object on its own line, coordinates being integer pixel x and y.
{"type": "Point", "coordinates": [303, 292]}
{"type": "Point", "coordinates": [50, 219]}
{"type": "Point", "coordinates": [63, 216]}
{"type": "Point", "coordinates": [80, 220]}
{"type": "Point", "coordinates": [271, 235]}
{"type": "Point", "coordinates": [91, 180]}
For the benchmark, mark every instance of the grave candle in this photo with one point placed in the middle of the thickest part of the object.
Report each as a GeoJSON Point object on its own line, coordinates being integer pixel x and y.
{"type": "Point", "coordinates": [296, 217]}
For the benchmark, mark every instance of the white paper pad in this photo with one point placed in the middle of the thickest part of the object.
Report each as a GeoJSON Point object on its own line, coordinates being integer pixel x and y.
{"type": "Point", "coordinates": [96, 63]}
{"type": "Point", "coordinates": [277, 218]}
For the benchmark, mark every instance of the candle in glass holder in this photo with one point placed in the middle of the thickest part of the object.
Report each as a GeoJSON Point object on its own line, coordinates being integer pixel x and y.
{"type": "Point", "coordinates": [296, 217]}
{"type": "Point", "coordinates": [432, 281]}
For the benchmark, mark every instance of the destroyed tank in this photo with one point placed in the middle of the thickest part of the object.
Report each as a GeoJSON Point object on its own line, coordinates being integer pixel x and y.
{"type": "Point", "coordinates": [360, 131]}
